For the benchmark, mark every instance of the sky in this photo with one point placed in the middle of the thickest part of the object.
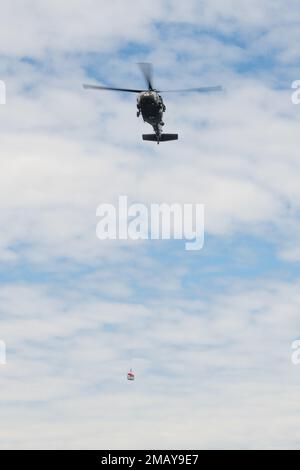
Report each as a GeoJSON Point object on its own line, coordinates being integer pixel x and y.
{"type": "Point", "coordinates": [208, 333]}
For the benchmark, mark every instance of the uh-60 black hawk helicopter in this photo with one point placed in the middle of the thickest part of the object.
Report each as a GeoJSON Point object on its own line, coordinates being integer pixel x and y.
{"type": "Point", "coordinates": [150, 103]}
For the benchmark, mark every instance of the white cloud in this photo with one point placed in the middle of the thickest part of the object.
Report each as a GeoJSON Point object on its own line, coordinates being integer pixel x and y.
{"type": "Point", "coordinates": [209, 371]}
{"type": "Point", "coordinates": [204, 370]}
{"type": "Point", "coordinates": [242, 164]}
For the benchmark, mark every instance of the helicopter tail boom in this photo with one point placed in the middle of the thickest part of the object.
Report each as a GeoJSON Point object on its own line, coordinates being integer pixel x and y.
{"type": "Point", "coordinates": [160, 138]}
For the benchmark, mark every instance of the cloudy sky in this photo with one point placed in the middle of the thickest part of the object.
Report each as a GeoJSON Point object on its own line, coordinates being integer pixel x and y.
{"type": "Point", "coordinates": [208, 333]}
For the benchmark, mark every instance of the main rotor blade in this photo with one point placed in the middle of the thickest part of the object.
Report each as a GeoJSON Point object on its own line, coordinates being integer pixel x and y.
{"type": "Point", "coordinates": [147, 71]}
{"type": "Point", "coordinates": [97, 87]}
{"type": "Point", "coordinates": [208, 89]}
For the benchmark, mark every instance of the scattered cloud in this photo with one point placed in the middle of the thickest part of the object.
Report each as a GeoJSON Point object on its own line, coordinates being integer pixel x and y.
{"type": "Point", "coordinates": [209, 334]}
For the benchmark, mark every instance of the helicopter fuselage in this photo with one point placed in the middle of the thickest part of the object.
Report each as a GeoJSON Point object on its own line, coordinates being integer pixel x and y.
{"type": "Point", "coordinates": [150, 104]}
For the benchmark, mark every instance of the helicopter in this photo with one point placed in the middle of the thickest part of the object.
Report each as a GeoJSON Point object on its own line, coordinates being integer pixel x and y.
{"type": "Point", "coordinates": [150, 103]}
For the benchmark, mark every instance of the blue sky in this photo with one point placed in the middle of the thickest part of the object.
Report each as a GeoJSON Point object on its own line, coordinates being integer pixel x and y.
{"type": "Point", "coordinates": [208, 333]}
